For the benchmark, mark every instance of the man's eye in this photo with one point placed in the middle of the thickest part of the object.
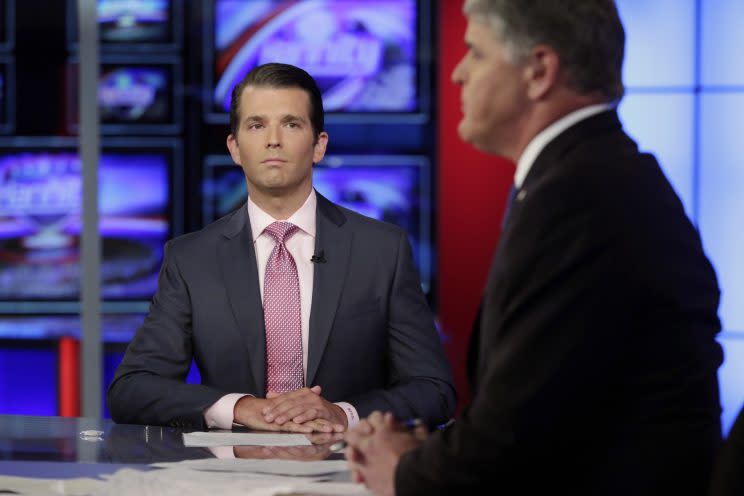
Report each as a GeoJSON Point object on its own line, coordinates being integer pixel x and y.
{"type": "Point", "coordinates": [254, 125]}
{"type": "Point", "coordinates": [292, 124]}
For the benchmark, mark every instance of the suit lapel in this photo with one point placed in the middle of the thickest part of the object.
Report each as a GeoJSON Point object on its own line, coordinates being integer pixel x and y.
{"type": "Point", "coordinates": [237, 261]}
{"type": "Point", "coordinates": [334, 238]}
{"type": "Point", "coordinates": [546, 163]}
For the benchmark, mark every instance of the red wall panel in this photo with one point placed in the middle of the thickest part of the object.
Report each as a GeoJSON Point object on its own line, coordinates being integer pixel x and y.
{"type": "Point", "coordinates": [472, 192]}
{"type": "Point", "coordinates": [69, 377]}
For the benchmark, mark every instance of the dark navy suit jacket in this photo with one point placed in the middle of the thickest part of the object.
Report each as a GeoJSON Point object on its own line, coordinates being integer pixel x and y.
{"type": "Point", "coordinates": [372, 340]}
{"type": "Point", "coordinates": [596, 361]}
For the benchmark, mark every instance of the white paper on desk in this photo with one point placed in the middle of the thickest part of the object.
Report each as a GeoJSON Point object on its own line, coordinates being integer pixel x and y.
{"type": "Point", "coordinates": [228, 438]}
{"type": "Point", "coordinates": [276, 467]}
{"type": "Point", "coordinates": [181, 482]}
{"type": "Point", "coordinates": [30, 485]}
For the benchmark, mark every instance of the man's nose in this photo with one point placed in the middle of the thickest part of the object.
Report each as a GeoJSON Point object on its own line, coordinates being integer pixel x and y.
{"type": "Point", "coordinates": [273, 140]}
{"type": "Point", "coordinates": [457, 73]}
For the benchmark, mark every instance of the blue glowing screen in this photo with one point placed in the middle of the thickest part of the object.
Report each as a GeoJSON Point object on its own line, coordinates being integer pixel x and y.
{"type": "Point", "coordinates": [40, 223]}
{"type": "Point", "coordinates": [362, 53]}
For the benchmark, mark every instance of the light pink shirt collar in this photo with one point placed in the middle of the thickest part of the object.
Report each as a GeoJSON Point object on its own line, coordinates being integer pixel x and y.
{"type": "Point", "coordinates": [304, 217]}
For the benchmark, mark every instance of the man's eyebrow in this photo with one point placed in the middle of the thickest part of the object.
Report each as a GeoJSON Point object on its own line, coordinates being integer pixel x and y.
{"type": "Point", "coordinates": [254, 118]}
{"type": "Point", "coordinates": [292, 117]}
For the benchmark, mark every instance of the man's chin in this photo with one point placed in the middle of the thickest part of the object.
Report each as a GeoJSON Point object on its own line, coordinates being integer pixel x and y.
{"type": "Point", "coordinates": [279, 189]}
{"type": "Point", "coordinates": [483, 142]}
{"type": "Point", "coordinates": [468, 135]}
{"type": "Point", "coordinates": [462, 131]}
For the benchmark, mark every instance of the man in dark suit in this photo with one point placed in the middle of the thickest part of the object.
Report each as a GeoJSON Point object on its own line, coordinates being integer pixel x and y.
{"type": "Point", "coordinates": [301, 315]}
{"type": "Point", "coordinates": [596, 353]}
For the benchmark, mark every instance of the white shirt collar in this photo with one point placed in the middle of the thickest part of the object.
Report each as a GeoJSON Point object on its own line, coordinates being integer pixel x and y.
{"type": "Point", "coordinates": [304, 217]}
{"type": "Point", "coordinates": [541, 140]}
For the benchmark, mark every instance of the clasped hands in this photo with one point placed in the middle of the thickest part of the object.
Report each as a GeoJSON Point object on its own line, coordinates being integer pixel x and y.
{"type": "Point", "coordinates": [374, 447]}
{"type": "Point", "coordinates": [303, 410]}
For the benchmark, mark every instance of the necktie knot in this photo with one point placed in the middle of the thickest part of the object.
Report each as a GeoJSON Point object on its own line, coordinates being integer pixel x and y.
{"type": "Point", "coordinates": [281, 231]}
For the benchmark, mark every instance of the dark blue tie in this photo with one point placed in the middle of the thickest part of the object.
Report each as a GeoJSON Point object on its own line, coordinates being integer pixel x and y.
{"type": "Point", "coordinates": [509, 201]}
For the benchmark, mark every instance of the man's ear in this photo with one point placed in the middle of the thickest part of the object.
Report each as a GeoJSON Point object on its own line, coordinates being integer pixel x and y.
{"type": "Point", "coordinates": [319, 148]}
{"type": "Point", "coordinates": [541, 68]}
{"type": "Point", "coordinates": [232, 146]}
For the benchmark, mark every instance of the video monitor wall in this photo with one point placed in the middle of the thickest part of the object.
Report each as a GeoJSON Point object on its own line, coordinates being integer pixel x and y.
{"type": "Point", "coordinates": [133, 25]}
{"type": "Point", "coordinates": [157, 100]}
{"type": "Point", "coordinates": [40, 218]}
{"type": "Point", "coordinates": [364, 54]}
{"type": "Point", "coordinates": [135, 95]}
{"type": "Point", "coordinates": [391, 188]}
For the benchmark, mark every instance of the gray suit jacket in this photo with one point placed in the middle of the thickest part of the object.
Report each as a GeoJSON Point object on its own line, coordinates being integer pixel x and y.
{"type": "Point", "coordinates": [372, 339]}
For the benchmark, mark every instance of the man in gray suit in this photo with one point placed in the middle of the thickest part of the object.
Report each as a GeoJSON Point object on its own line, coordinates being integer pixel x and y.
{"type": "Point", "coordinates": [300, 314]}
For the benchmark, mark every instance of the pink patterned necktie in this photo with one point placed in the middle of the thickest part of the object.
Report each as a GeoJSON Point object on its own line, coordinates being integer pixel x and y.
{"type": "Point", "coordinates": [282, 316]}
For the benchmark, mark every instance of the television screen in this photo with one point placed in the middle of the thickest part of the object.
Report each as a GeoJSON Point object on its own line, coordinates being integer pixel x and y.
{"type": "Point", "coordinates": [223, 188]}
{"type": "Point", "coordinates": [30, 393]}
{"type": "Point", "coordinates": [132, 22]}
{"type": "Point", "coordinates": [40, 222]}
{"type": "Point", "coordinates": [391, 188]}
{"type": "Point", "coordinates": [362, 53]}
{"type": "Point", "coordinates": [37, 393]}
{"type": "Point", "coordinates": [132, 97]}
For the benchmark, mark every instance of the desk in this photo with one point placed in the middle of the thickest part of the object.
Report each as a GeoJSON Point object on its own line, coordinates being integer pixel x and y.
{"type": "Point", "coordinates": [51, 447]}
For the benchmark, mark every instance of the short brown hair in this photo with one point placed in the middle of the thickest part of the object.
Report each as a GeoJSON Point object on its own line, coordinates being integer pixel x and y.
{"type": "Point", "coordinates": [275, 75]}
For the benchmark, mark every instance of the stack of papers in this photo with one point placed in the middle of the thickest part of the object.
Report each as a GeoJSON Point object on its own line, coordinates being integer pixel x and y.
{"type": "Point", "coordinates": [229, 438]}
{"type": "Point", "coordinates": [183, 479]}
{"type": "Point", "coordinates": [67, 487]}
{"type": "Point", "coordinates": [186, 482]}
{"type": "Point", "coordinates": [274, 467]}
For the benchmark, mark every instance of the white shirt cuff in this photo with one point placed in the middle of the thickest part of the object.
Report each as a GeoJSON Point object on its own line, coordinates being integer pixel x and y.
{"type": "Point", "coordinates": [352, 417]}
{"type": "Point", "coordinates": [220, 414]}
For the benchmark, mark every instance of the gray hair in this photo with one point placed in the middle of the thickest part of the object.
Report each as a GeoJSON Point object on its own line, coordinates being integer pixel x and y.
{"type": "Point", "coordinates": [587, 35]}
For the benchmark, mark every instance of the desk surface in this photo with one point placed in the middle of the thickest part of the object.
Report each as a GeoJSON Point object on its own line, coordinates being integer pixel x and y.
{"type": "Point", "coordinates": [53, 447]}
